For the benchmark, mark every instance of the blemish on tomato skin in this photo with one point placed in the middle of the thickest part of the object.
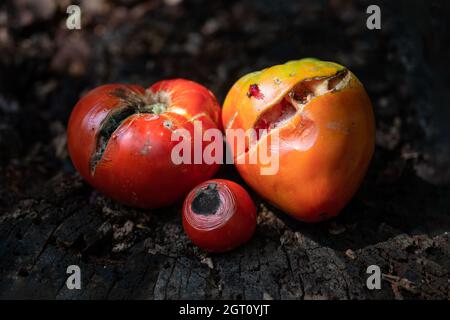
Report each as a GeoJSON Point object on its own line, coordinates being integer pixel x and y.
{"type": "Point", "coordinates": [336, 126]}
{"type": "Point", "coordinates": [146, 148]}
{"type": "Point", "coordinates": [254, 91]}
{"type": "Point", "coordinates": [167, 124]}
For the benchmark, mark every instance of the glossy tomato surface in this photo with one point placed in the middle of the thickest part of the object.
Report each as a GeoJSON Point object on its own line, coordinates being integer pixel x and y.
{"type": "Point", "coordinates": [119, 139]}
{"type": "Point", "coordinates": [325, 124]}
{"type": "Point", "coordinates": [219, 215]}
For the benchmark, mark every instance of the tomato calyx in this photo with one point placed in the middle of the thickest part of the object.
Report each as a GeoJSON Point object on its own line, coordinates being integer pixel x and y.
{"type": "Point", "coordinates": [131, 103]}
{"type": "Point", "coordinates": [206, 201]}
{"type": "Point", "coordinates": [297, 98]}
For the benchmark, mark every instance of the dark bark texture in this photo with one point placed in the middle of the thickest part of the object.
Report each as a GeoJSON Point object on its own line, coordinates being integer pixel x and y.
{"type": "Point", "coordinates": [50, 218]}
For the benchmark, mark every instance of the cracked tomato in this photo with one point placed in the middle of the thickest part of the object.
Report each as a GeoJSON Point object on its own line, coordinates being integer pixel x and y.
{"type": "Point", "coordinates": [324, 123]}
{"type": "Point", "coordinates": [119, 140]}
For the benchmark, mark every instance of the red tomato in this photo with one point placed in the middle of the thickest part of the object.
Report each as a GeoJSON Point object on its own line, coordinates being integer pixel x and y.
{"type": "Point", "coordinates": [219, 215]}
{"type": "Point", "coordinates": [119, 139]}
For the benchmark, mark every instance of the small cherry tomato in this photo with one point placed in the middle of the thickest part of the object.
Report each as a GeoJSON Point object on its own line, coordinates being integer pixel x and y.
{"type": "Point", "coordinates": [325, 124]}
{"type": "Point", "coordinates": [119, 139]}
{"type": "Point", "coordinates": [219, 215]}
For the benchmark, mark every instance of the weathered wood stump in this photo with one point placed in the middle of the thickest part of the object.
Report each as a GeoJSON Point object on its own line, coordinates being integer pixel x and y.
{"type": "Point", "coordinates": [127, 254]}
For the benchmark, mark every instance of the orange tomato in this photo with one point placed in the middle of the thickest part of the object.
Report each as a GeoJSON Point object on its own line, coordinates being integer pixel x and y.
{"type": "Point", "coordinates": [325, 124]}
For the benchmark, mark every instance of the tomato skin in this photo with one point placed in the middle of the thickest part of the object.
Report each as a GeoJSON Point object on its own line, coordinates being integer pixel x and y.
{"type": "Point", "coordinates": [136, 166]}
{"type": "Point", "coordinates": [325, 147]}
{"type": "Point", "coordinates": [231, 225]}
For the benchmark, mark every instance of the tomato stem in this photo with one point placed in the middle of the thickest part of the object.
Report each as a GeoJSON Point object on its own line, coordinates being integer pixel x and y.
{"type": "Point", "coordinates": [156, 108]}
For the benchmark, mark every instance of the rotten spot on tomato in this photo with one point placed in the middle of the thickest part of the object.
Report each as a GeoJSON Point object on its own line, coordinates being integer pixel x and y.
{"type": "Point", "coordinates": [295, 100]}
{"type": "Point", "coordinates": [206, 201]}
{"type": "Point", "coordinates": [168, 124]}
{"type": "Point", "coordinates": [306, 90]}
{"type": "Point", "coordinates": [274, 117]}
{"type": "Point", "coordinates": [112, 121]}
{"type": "Point", "coordinates": [131, 103]}
{"type": "Point", "coordinates": [127, 95]}
{"type": "Point", "coordinates": [254, 91]}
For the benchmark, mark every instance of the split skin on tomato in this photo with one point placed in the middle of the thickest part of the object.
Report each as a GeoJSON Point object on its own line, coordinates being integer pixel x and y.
{"type": "Point", "coordinates": [119, 140]}
{"type": "Point", "coordinates": [219, 215]}
{"type": "Point", "coordinates": [326, 129]}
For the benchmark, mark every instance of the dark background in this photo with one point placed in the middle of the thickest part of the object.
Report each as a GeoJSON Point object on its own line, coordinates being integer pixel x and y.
{"type": "Point", "coordinates": [49, 218]}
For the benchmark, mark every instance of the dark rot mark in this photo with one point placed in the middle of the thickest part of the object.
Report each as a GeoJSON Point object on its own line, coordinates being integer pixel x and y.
{"type": "Point", "coordinates": [131, 103]}
{"type": "Point", "coordinates": [254, 91]}
{"type": "Point", "coordinates": [206, 201]}
{"type": "Point", "coordinates": [108, 126]}
{"type": "Point", "coordinates": [123, 93]}
{"type": "Point", "coordinates": [128, 97]}
{"type": "Point", "coordinates": [219, 215]}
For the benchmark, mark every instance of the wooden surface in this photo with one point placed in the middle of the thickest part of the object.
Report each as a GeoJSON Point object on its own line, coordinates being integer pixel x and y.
{"type": "Point", "coordinates": [128, 254]}
{"type": "Point", "coordinates": [50, 219]}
